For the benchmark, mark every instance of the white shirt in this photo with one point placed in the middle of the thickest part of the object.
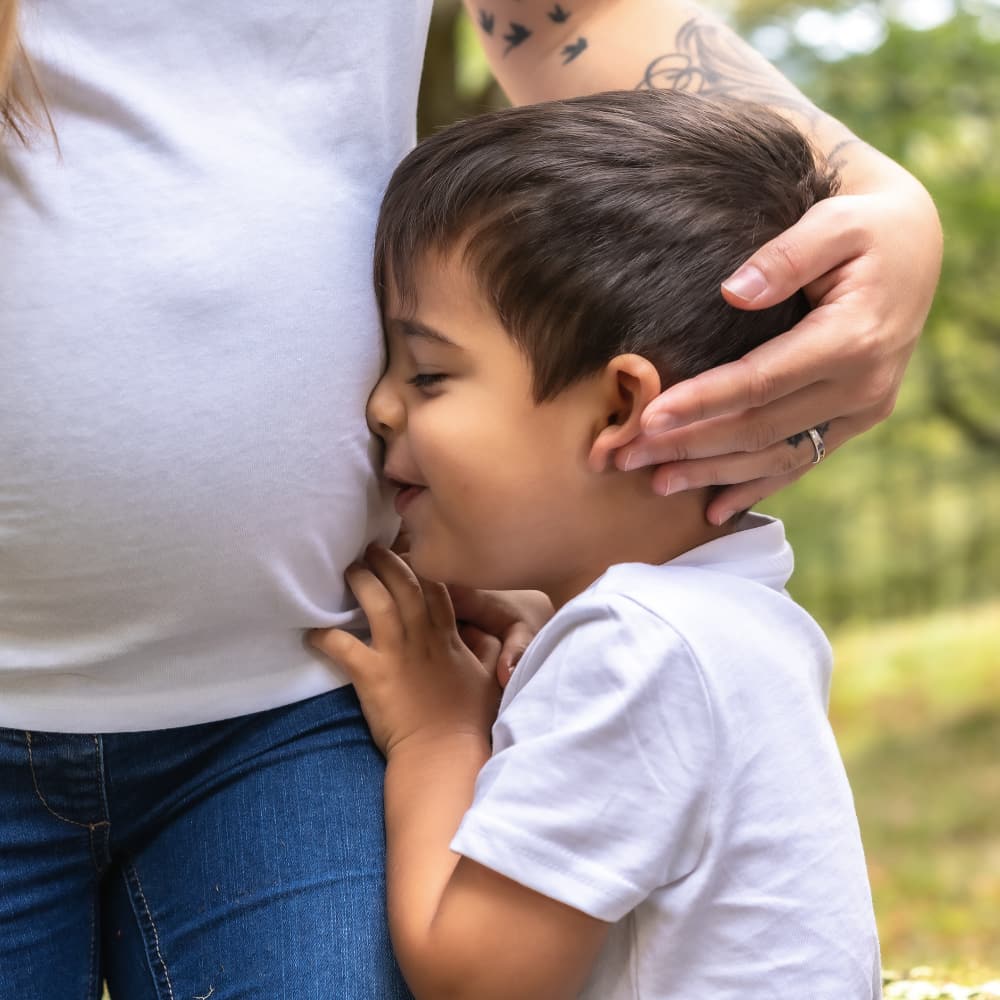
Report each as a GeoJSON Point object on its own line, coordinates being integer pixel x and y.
{"type": "Point", "coordinates": [188, 335]}
{"type": "Point", "coordinates": [662, 760]}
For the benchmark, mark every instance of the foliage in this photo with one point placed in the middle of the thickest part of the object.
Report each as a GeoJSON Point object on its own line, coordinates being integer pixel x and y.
{"type": "Point", "coordinates": [915, 706]}
{"type": "Point", "coordinates": [921, 490]}
{"type": "Point", "coordinates": [931, 99]}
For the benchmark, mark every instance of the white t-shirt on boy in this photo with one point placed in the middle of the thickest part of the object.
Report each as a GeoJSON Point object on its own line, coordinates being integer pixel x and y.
{"type": "Point", "coordinates": [663, 761]}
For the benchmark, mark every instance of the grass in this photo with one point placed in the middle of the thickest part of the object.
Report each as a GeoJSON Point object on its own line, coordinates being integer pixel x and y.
{"type": "Point", "coordinates": [916, 709]}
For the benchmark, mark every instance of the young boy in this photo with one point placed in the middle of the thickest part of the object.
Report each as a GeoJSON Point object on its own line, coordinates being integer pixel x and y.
{"type": "Point", "coordinates": [659, 810]}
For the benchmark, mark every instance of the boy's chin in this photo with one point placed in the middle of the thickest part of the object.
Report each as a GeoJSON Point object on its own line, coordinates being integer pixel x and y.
{"type": "Point", "coordinates": [434, 566]}
{"type": "Point", "coordinates": [428, 564]}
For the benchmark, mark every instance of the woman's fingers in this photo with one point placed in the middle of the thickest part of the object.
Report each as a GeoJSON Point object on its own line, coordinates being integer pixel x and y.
{"type": "Point", "coordinates": [750, 431]}
{"type": "Point", "coordinates": [825, 253]}
{"type": "Point", "coordinates": [783, 365]}
{"type": "Point", "coordinates": [798, 451]}
{"type": "Point", "coordinates": [742, 497]}
{"type": "Point", "coordinates": [831, 232]}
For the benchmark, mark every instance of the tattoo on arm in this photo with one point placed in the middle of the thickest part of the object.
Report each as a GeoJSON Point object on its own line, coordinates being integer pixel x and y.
{"type": "Point", "coordinates": [835, 157]}
{"type": "Point", "coordinates": [570, 52]}
{"type": "Point", "coordinates": [518, 33]}
{"type": "Point", "coordinates": [710, 61]}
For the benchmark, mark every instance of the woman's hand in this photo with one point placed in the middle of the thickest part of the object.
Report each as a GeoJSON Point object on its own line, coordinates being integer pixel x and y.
{"type": "Point", "coordinates": [869, 264]}
{"type": "Point", "coordinates": [418, 679]}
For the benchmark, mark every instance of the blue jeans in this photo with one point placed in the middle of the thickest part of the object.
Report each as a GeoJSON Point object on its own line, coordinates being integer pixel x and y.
{"type": "Point", "coordinates": [238, 859]}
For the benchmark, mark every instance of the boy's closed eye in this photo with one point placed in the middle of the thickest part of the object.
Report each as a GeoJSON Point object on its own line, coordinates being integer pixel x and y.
{"type": "Point", "coordinates": [427, 382]}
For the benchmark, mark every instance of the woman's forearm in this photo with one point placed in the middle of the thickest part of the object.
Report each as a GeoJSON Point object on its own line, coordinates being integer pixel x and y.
{"type": "Point", "coordinates": [543, 51]}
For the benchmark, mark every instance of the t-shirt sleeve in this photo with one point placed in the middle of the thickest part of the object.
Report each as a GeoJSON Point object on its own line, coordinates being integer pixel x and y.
{"type": "Point", "coordinates": [600, 784]}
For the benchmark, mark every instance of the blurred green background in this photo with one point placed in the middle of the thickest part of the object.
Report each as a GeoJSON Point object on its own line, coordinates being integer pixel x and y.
{"type": "Point", "coordinates": [897, 536]}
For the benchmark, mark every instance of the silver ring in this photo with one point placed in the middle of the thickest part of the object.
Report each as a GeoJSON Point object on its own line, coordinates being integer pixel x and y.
{"type": "Point", "coordinates": [819, 446]}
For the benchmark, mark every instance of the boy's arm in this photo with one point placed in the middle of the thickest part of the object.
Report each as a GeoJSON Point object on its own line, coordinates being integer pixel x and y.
{"type": "Point", "coordinates": [869, 259]}
{"type": "Point", "coordinates": [458, 928]}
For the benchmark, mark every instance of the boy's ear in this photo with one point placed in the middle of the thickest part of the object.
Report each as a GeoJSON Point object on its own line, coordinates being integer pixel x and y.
{"type": "Point", "coordinates": [627, 384]}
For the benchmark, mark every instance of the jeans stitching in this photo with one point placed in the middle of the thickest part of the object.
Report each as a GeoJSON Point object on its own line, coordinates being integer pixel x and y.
{"type": "Point", "coordinates": [92, 958]}
{"type": "Point", "coordinates": [44, 801]}
{"type": "Point", "coordinates": [99, 774]}
{"type": "Point", "coordinates": [101, 863]}
{"type": "Point", "coordinates": [133, 876]}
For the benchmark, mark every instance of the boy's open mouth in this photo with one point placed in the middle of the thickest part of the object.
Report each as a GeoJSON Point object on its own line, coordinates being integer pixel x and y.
{"type": "Point", "coordinates": [406, 493]}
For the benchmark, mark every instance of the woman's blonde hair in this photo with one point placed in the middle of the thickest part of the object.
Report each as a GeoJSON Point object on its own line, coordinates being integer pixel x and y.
{"type": "Point", "coordinates": [22, 106]}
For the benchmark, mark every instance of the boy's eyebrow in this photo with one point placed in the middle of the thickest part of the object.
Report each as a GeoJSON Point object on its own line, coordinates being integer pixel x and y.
{"type": "Point", "coordinates": [413, 328]}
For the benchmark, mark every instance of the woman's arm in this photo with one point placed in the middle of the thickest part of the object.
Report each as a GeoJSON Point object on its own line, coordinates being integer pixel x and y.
{"type": "Point", "coordinates": [869, 259]}
{"type": "Point", "coordinates": [459, 929]}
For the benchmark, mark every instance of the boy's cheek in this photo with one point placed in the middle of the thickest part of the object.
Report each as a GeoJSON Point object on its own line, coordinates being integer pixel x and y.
{"type": "Point", "coordinates": [425, 559]}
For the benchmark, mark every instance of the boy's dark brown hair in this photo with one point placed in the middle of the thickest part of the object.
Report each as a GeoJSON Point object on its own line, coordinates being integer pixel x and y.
{"type": "Point", "coordinates": [604, 225]}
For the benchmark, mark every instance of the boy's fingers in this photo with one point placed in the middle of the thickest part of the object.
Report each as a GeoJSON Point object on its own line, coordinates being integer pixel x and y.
{"type": "Point", "coordinates": [439, 606]}
{"type": "Point", "coordinates": [345, 649]}
{"type": "Point", "coordinates": [485, 647]}
{"type": "Point", "coordinates": [402, 585]}
{"type": "Point", "coordinates": [483, 607]}
{"type": "Point", "coordinates": [515, 642]}
{"type": "Point", "coordinates": [514, 617]}
{"type": "Point", "coordinates": [379, 607]}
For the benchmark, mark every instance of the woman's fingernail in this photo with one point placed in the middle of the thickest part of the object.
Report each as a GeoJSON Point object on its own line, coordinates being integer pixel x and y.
{"type": "Point", "coordinates": [660, 422]}
{"type": "Point", "coordinates": [674, 484]}
{"type": "Point", "coordinates": [747, 283]}
{"type": "Point", "coordinates": [721, 520]}
{"type": "Point", "coordinates": [634, 460]}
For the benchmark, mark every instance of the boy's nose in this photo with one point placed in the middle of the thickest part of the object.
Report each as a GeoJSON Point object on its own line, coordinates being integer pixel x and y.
{"type": "Point", "coordinates": [385, 409]}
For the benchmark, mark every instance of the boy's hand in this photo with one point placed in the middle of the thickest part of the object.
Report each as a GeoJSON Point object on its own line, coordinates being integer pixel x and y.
{"type": "Point", "coordinates": [513, 617]}
{"type": "Point", "coordinates": [417, 679]}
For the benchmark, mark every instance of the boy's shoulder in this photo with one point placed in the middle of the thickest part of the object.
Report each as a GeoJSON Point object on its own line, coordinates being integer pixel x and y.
{"type": "Point", "coordinates": [722, 602]}
{"type": "Point", "coordinates": [716, 585]}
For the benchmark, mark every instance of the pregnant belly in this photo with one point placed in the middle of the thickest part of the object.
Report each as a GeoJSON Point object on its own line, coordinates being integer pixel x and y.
{"type": "Point", "coordinates": [146, 521]}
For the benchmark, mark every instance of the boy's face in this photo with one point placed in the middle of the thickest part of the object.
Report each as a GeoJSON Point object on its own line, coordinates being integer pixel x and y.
{"type": "Point", "coordinates": [491, 486]}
